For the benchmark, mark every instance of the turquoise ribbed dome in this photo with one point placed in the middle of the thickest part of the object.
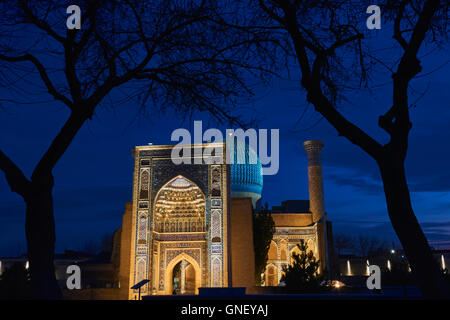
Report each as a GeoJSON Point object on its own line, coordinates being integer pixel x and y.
{"type": "Point", "coordinates": [246, 172]}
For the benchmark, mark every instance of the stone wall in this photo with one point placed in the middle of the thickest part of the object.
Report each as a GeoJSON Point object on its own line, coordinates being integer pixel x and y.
{"type": "Point", "coordinates": [292, 219]}
{"type": "Point", "coordinates": [242, 250]}
{"type": "Point", "coordinates": [95, 294]}
{"type": "Point", "coordinates": [125, 249]}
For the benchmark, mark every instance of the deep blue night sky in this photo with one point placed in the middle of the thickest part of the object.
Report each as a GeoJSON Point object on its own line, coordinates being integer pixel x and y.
{"type": "Point", "coordinates": [93, 180]}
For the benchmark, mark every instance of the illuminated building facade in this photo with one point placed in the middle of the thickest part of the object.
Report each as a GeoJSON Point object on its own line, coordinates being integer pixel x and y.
{"type": "Point", "coordinates": [190, 224]}
{"type": "Point", "coordinates": [297, 220]}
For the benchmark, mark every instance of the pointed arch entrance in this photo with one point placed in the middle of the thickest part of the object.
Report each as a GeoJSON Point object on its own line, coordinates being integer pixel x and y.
{"type": "Point", "coordinates": [179, 228]}
{"type": "Point", "coordinates": [189, 278]}
{"type": "Point", "coordinates": [271, 275]}
{"type": "Point", "coordinates": [178, 209]}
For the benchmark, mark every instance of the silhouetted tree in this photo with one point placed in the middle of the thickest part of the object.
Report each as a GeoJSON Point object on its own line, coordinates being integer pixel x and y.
{"type": "Point", "coordinates": [328, 40]}
{"type": "Point", "coordinates": [371, 246]}
{"type": "Point", "coordinates": [342, 241]}
{"type": "Point", "coordinates": [263, 230]}
{"type": "Point", "coordinates": [302, 274]}
{"type": "Point", "coordinates": [172, 54]}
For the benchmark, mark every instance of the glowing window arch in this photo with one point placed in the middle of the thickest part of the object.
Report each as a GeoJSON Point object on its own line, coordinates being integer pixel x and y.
{"type": "Point", "coordinates": [272, 254]}
{"type": "Point", "coordinates": [271, 275]}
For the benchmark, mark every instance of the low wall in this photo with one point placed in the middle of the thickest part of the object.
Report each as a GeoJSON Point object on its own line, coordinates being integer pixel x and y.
{"type": "Point", "coordinates": [96, 294]}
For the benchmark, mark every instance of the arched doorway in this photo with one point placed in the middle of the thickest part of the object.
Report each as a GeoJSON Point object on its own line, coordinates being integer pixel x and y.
{"type": "Point", "coordinates": [177, 278]}
{"type": "Point", "coordinates": [183, 275]}
{"type": "Point", "coordinates": [272, 254]}
{"type": "Point", "coordinates": [183, 278]}
{"type": "Point", "coordinates": [179, 227]}
{"type": "Point", "coordinates": [271, 276]}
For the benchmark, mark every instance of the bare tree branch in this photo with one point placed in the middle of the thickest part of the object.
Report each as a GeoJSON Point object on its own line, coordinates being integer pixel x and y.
{"type": "Point", "coordinates": [40, 23]}
{"type": "Point", "coordinates": [321, 81]}
{"type": "Point", "coordinates": [43, 74]}
{"type": "Point", "coordinates": [15, 177]}
{"type": "Point", "coordinates": [397, 120]}
{"type": "Point", "coordinates": [311, 82]}
{"type": "Point", "coordinates": [60, 143]}
{"type": "Point", "coordinates": [397, 32]}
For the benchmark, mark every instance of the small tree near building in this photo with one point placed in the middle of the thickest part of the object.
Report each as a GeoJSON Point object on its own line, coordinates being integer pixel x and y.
{"type": "Point", "coordinates": [263, 230]}
{"type": "Point", "coordinates": [302, 274]}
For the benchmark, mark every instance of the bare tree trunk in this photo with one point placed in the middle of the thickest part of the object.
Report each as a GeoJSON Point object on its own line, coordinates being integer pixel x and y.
{"type": "Point", "coordinates": [40, 233]}
{"type": "Point", "coordinates": [40, 223]}
{"type": "Point", "coordinates": [37, 194]}
{"type": "Point", "coordinates": [423, 265]}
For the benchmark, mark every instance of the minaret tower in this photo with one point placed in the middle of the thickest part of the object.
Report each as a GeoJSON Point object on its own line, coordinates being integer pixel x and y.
{"type": "Point", "coordinates": [316, 199]}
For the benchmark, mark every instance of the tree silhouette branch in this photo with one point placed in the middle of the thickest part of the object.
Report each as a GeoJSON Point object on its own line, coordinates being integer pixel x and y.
{"type": "Point", "coordinates": [14, 176]}
{"type": "Point", "coordinates": [43, 74]}
{"type": "Point", "coordinates": [311, 82]}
